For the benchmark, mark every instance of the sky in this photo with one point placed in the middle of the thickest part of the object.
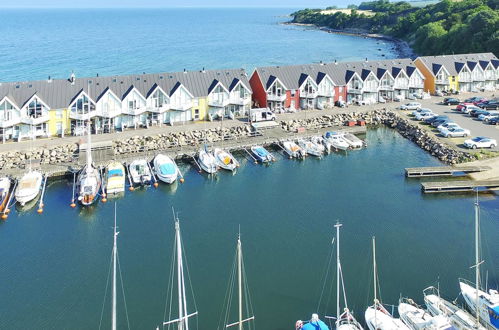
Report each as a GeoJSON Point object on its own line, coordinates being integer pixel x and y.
{"type": "Point", "coordinates": [165, 3]}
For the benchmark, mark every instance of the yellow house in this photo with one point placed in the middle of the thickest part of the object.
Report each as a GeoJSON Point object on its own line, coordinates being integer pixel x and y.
{"type": "Point", "coordinates": [59, 122]}
{"type": "Point", "coordinates": [200, 109]}
{"type": "Point", "coordinates": [440, 73]}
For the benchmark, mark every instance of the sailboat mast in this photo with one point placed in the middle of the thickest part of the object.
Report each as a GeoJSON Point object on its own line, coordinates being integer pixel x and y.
{"type": "Point", "coordinates": [477, 259]}
{"type": "Point", "coordinates": [374, 270]}
{"type": "Point", "coordinates": [115, 252]}
{"type": "Point", "coordinates": [338, 225]}
{"type": "Point", "coordinates": [179, 277]}
{"type": "Point", "coordinates": [239, 281]}
{"type": "Point", "coordinates": [89, 148]}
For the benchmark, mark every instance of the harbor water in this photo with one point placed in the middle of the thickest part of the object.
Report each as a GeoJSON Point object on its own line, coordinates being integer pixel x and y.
{"type": "Point", "coordinates": [55, 265]}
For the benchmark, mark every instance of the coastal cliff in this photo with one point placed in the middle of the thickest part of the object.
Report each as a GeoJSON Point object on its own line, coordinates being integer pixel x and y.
{"type": "Point", "coordinates": [467, 26]}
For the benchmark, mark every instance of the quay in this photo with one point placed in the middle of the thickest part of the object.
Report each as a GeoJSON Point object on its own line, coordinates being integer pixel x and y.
{"type": "Point", "coordinates": [459, 186]}
{"type": "Point", "coordinates": [103, 153]}
{"type": "Point", "coordinates": [443, 171]}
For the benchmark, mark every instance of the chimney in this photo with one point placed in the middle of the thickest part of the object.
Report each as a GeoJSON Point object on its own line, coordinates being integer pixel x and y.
{"type": "Point", "coordinates": [97, 75]}
{"type": "Point", "coordinates": [335, 62]}
{"type": "Point", "coordinates": [49, 80]}
{"type": "Point", "coordinates": [203, 71]}
{"type": "Point", "coordinates": [366, 59]}
{"type": "Point", "coordinates": [72, 78]}
{"type": "Point", "coordinates": [185, 71]}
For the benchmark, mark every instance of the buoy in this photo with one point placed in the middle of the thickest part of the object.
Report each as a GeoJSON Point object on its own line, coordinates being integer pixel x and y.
{"type": "Point", "coordinates": [104, 199]}
{"type": "Point", "coordinates": [4, 216]}
{"type": "Point", "coordinates": [155, 185]}
{"type": "Point", "coordinates": [73, 205]}
{"type": "Point", "coordinates": [131, 188]}
{"type": "Point", "coordinates": [40, 211]}
{"type": "Point", "coordinates": [182, 180]}
{"type": "Point", "coordinates": [256, 162]}
{"type": "Point", "coordinates": [42, 205]}
{"type": "Point", "coordinates": [7, 211]}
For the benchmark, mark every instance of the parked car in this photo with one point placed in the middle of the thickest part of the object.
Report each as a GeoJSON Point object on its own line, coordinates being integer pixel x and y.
{"type": "Point", "coordinates": [480, 142]}
{"type": "Point", "coordinates": [450, 101]}
{"type": "Point", "coordinates": [475, 99]}
{"type": "Point", "coordinates": [424, 115]}
{"type": "Point", "coordinates": [447, 126]}
{"type": "Point", "coordinates": [432, 119]}
{"type": "Point", "coordinates": [415, 112]}
{"type": "Point", "coordinates": [455, 132]}
{"type": "Point", "coordinates": [439, 93]}
{"type": "Point", "coordinates": [438, 122]}
{"type": "Point", "coordinates": [461, 105]}
{"type": "Point", "coordinates": [399, 98]}
{"type": "Point", "coordinates": [410, 106]}
{"type": "Point", "coordinates": [477, 112]}
{"type": "Point", "coordinates": [491, 105]}
{"type": "Point", "coordinates": [467, 109]}
{"type": "Point", "coordinates": [488, 115]}
{"type": "Point", "coordinates": [494, 121]}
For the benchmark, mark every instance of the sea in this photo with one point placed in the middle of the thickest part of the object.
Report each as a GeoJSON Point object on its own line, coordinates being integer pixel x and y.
{"type": "Point", "coordinates": [55, 266]}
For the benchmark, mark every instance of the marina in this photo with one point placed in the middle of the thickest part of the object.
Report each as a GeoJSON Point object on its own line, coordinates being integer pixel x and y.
{"type": "Point", "coordinates": [444, 170]}
{"type": "Point", "coordinates": [459, 186]}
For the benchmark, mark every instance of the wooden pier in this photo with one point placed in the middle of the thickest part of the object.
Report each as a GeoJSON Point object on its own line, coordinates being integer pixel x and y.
{"type": "Point", "coordinates": [443, 171]}
{"type": "Point", "coordinates": [459, 186]}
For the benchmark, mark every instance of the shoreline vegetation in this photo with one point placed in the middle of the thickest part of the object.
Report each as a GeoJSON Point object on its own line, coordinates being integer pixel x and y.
{"type": "Point", "coordinates": [401, 47]}
{"type": "Point", "coordinates": [448, 26]}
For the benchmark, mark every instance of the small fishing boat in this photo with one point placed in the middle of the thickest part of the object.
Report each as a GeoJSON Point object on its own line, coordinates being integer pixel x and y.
{"type": "Point", "coordinates": [115, 178]}
{"type": "Point", "coordinates": [353, 141]}
{"type": "Point", "coordinates": [417, 318]}
{"type": "Point", "coordinates": [140, 172]}
{"type": "Point", "coordinates": [225, 159]}
{"type": "Point", "coordinates": [318, 141]}
{"type": "Point", "coordinates": [165, 168]}
{"type": "Point", "coordinates": [336, 140]}
{"type": "Point", "coordinates": [293, 150]}
{"type": "Point", "coordinates": [28, 187]}
{"type": "Point", "coordinates": [4, 192]}
{"type": "Point", "coordinates": [311, 148]}
{"type": "Point", "coordinates": [459, 318]}
{"type": "Point", "coordinates": [207, 161]}
{"type": "Point", "coordinates": [261, 154]}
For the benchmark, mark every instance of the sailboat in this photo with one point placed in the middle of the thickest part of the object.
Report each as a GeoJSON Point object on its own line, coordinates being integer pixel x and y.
{"type": "Point", "coordinates": [345, 320]}
{"type": "Point", "coordinates": [89, 179]}
{"type": "Point", "coordinates": [417, 318]}
{"type": "Point", "coordinates": [377, 317]}
{"type": "Point", "coordinates": [182, 321]}
{"type": "Point", "coordinates": [459, 318]}
{"type": "Point", "coordinates": [207, 161]}
{"type": "Point", "coordinates": [242, 294]}
{"type": "Point", "coordinates": [484, 305]}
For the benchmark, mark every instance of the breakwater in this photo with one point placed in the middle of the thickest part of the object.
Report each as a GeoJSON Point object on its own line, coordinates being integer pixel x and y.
{"type": "Point", "coordinates": [67, 153]}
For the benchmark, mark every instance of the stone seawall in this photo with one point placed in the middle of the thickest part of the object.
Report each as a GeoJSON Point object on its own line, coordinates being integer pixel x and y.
{"type": "Point", "coordinates": [65, 153]}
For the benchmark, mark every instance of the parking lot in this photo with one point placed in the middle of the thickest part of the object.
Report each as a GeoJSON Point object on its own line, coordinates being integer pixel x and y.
{"type": "Point", "coordinates": [477, 127]}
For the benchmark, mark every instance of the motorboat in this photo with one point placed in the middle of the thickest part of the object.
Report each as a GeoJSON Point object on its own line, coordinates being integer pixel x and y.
{"type": "Point", "coordinates": [318, 142]}
{"type": "Point", "coordinates": [4, 193]}
{"type": "Point", "coordinates": [261, 154]}
{"type": "Point", "coordinates": [115, 178]}
{"type": "Point", "coordinates": [458, 317]}
{"type": "Point", "coordinates": [225, 159]}
{"type": "Point", "coordinates": [29, 187]}
{"type": "Point", "coordinates": [417, 318]}
{"type": "Point", "coordinates": [293, 150]}
{"type": "Point", "coordinates": [352, 140]}
{"type": "Point", "coordinates": [207, 161]}
{"type": "Point", "coordinates": [89, 179]}
{"type": "Point", "coordinates": [140, 172]}
{"type": "Point", "coordinates": [165, 168]}
{"type": "Point", "coordinates": [336, 140]}
{"type": "Point", "coordinates": [311, 148]}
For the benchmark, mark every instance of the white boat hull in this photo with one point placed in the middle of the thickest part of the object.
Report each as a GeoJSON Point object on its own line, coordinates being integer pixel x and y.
{"type": "Point", "coordinates": [207, 162]}
{"type": "Point", "coordinates": [89, 183]}
{"type": "Point", "coordinates": [377, 320]}
{"type": "Point", "coordinates": [225, 160]}
{"type": "Point", "coordinates": [140, 172]}
{"type": "Point", "coordinates": [160, 160]}
{"type": "Point", "coordinates": [485, 301]}
{"type": "Point", "coordinates": [26, 193]}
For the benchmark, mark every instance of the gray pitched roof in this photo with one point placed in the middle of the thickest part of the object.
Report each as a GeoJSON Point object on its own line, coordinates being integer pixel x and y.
{"type": "Point", "coordinates": [454, 63]}
{"type": "Point", "coordinates": [59, 93]}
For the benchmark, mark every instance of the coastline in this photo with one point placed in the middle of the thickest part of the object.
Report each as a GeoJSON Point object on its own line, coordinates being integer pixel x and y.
{"type": "Point", "coordinates": [401, 47]}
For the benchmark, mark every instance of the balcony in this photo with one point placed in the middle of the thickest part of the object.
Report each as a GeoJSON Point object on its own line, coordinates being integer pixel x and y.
{"type": "Point", "coordinates": [386, 87]}
{"type": "Point", "coordinates": [353, 90]}
{"type": "Point", "coordinates": [309, 95]}
{"type": "Point", "coordinates": [401, 86]}
{"type": "Point", "coordinates": [240, 100]}
{"type": "Point", "coordinates": [466, 78]}
{"type": "Point", "coordinates": [181, 106]}
{"type": "Point", "coordinates": [218, 103]}
{"type": "Point", "coordinates": [36, 121]}
{"type": "Point", "coordinates": [414, 84]}
{"type": "Point", "coordinates": [478, 78]}
{"type": "Point", "coordinates": [275, 97]}
{"type": "Point", "coordinates": [135, 111]}
{"type": "Point", "coordinates": [328, 93]}
{"type": "Point", "coordinates": [372, 89]}
{"type": "Point", "coordinates": [161, 109]}
{"type": "Point", "coordinates": [442, 82]}
{"type": "Point", "coordinates": [9, 123]}
{"type": "Point", "coordinates": [82, 116]}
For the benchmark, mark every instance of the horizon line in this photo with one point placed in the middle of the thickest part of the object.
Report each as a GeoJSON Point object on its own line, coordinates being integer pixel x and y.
{"type": "Point", "coordinates": [153, 7]}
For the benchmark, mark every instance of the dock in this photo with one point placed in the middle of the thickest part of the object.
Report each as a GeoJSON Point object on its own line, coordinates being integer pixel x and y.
{"type": "Point", "coordinates": [459, 186]}
{"type": "Point", "coordinates": [443, 171]}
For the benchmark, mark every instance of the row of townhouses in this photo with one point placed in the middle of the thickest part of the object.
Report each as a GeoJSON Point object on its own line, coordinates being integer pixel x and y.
{"type": "Point", "coordinates": [63, 106]}
{"type": "Point", "coordinates": [58, 107]}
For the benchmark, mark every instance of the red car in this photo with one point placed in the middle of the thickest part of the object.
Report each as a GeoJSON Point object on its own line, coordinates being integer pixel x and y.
{"type": "Point", "coordinates": [461, 105]}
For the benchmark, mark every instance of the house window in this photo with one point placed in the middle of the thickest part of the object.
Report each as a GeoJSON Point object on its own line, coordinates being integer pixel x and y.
{"type": "Point", "coordinates": [195, 102]}
{"type": "Point", "coordinates": [196, 114]}
{"type": "Point", "coordinates": [340, 89]}
{"type": "Point", "coordinates": [293, 93]}
{"type": "Point", "coordinates": [58, 114]}
{"type": "Point", "coordinates": [35, 109]}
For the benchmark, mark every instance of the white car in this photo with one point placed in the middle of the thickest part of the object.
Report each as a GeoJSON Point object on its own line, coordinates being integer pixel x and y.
{"type": "Point", "coordinates": [448, 126]}
{"type": "Point", "coordinates": [399, 98]}
{"type": "Point", "coordinates": [415, 112]}
{"type": "Point", "coordinates": [480, 142]}
{"type": "Point", "coordinates": [410, 106]}
{"type": "Point", "coordinates": [486, 117]}
{"type": "Point", "coordinates": [424, 115]}
{"type": "Point", "coordinates": [455, 132]}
